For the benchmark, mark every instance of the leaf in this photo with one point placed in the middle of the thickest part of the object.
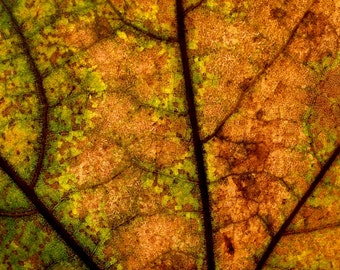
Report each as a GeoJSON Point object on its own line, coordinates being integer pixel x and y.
{"type": "Point", "coordinates": [158, 135]}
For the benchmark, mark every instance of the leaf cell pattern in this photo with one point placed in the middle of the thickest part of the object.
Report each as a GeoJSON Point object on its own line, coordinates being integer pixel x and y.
{"type": "Point", "coordinates": [169, 134]}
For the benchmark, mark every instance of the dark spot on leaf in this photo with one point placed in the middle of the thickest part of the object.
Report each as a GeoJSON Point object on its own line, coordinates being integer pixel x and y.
{"type": "Point", "coordinates": [245, 184]}
{"type": "Point", "coordinates": [278, 13]}
{"type": "Point", "coordinates": [244, 85]}
{"type": "Point", "coordinates": [259, 114]}
{"type": "Point", "coordinates": [229, 245]}
{"type": "Point", "coordinates": [54, 58]}
{"type": "Point", "coordinates": [173, 261]}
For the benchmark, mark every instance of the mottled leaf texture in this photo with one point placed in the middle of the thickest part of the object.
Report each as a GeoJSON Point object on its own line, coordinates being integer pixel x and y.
{"type": "Point", "coordinates": [169, 134]}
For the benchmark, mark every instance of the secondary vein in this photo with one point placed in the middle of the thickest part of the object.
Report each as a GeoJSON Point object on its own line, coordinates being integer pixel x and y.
{"type": "Point", "coordinates": [277, 237]}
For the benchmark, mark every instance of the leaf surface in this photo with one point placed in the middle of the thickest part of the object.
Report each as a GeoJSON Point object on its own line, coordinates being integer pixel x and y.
{"type": "Point", "coordinates": [158, 135]}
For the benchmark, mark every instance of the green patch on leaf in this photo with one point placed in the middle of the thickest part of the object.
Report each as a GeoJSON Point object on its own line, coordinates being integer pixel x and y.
{"type": "Point", "coordinates": [324, 65]}
{"type": "Point", "coordinates": [183, 195]}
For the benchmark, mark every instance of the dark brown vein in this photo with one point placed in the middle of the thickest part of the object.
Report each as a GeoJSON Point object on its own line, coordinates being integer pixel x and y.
{"type": "Point", "coordinates": [194, 6]}
{"type": "Point", "coordinates": [18, 214]}
{"type": "Point", "coordinates": [310, 230]}
{"type": "Point", "coordinates": [28, 190]}
{"type": "Point", "coordinates": [41, 94]}
{"type": "Point", "coordinates": [276, 238]}
{"type": "Point", "coordinates": [198, 145]}
{"type": "Point", "coordinates": [137, 28]}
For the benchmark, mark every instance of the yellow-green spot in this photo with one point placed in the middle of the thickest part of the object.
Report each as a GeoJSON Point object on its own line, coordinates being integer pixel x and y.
{"type": "Point", "coordinates": [53, 251]}
{"type": "Point", "coordinates": [57, 85]}
{"type": "Point", "coordinates": [200, 260]}
{"type": "Point", "coordinates": [122, 35]}
{"type": "Point", "coordinates": [165, 200]}
{"type": "Point", "coordinates": [182, 192]}
{"type": "Point", "coordinates": [328, 141]}
{"type": "Point", "coordinates": [211, 4]}
{"type": "Point", "coordinates": [93, 83]}
{"type": "Point", "coordinates": [324, 65]}
{"type": "Point", "coordinates": [15, 198]}
{"type": "Point", "coordinates": [192, 45]}
{"type": "Point", "coordinates": [148, 181]}
{"type": "Point", "coordinates": [183, 170]}
{"type": "Point", "coordinates": [158, 189]}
